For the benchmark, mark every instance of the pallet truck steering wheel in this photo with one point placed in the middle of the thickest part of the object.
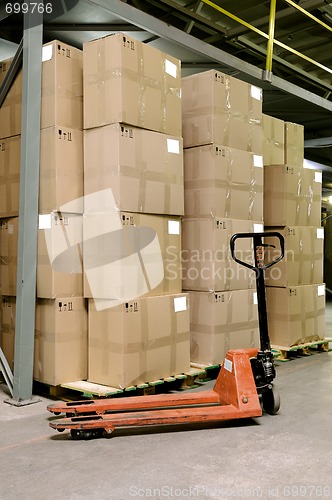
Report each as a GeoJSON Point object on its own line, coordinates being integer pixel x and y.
{"type": "Point", "coordinates": [263, 364]}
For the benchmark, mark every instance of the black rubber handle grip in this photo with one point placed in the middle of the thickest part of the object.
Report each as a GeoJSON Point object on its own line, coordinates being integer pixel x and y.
{"type": "Point", "coordinates": [257, 236]}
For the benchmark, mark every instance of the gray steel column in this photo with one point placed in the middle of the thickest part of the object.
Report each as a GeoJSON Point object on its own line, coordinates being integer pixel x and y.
{"type": "Point", "coordinates": [28, 210]}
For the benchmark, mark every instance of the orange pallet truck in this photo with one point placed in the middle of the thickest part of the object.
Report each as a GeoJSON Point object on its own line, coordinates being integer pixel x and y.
{"type": "Point", "coordinates": [243, 387]}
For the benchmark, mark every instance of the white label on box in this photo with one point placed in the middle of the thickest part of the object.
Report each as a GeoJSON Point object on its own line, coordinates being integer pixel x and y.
{"type": "Point", "coordinates": [318, 176]}
{"type": "Point", "coordinates": [170, 68]}
{"type": "Point", "coordinates": [47, 53]}
{"type": "Point", "coordinates": [320, 290]}
{"type": "Point", "coordinates": [45, 221]}
{"type": "Point", "coordinates": [255, 298]}
{"type": "Point", "coordinates": [10, 228]}
{"type": "Point", "coordinates": [173, 227]}
{"type": "Point", "coordinates": [256, 93]}
{"type": "Point", "coordinates": [258, 161]}
{"type": "Point", "coordinates": [173, 146]}
{"type": "Point", "coordinates": [180, 304]}
{"type": "Point", "coordinates": [320, 233]}
{"type": "Point", "coordinates": [228, 365]}
{"type": "Point", "coordinates": [258, 228]}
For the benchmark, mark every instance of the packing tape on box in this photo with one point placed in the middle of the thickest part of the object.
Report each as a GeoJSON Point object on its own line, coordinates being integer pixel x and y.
{"type": "Point", "coordinates": [174, 338]}
{"type": "Point", "coordinates": [62, 336]}
{"type": "Point", "coordinates": [229, 187]}
{"type": "Point", "coordinates": [142, 84]}
{"type": "Point", "coordinates": [319, 310]}
{"type": "Point", "coordinates": [230, 263]}
{"type": "Point", "coordinates": [136, 347]}
{"type": "Point", "coordinates": [142, 347]}
{"type": "Point", "coordinates": [224, 328]}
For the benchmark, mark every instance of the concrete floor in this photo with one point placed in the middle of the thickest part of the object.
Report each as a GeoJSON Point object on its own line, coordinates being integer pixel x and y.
{"type": "Point", "coordinates": [284, 456]}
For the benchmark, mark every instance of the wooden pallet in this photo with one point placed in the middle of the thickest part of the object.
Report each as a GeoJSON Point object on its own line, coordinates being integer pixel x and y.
{"type": "Point", "coordinates": [209, 372]}
{"type": "Point", "coordinates": [285, 353]}
{"type": "Point", "coordinates": [83, 389]}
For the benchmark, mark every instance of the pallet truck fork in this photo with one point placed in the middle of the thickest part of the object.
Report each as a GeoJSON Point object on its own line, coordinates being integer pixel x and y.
{"type": "Point", "coordinates": [243, 387]}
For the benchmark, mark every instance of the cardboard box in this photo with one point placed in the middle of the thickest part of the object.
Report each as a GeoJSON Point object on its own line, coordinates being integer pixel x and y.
{"type": "Point", "coordinates": [292, 196]}
{"type": "Point", "coordinates": [62, 86]}
{"type": "Point", "coordinates": [8, 255]}
{"type": "Point", "coordinates": [273, 141]}
{"type": "Point", "coordinates": [223, 182]}
{"type": "Point", "coordinates": [7, 329]}
{"type": "Point", "coordinates": [127, 255]}
{"type": "Point", "coordinates": [128, 81]}
{"type": "Point", "coordinates": [217, 108]}
{"type": "Point", "coordinates": [144, 169]}
{"type": "Point", "coordinates": [10, 111]}
{"type": "Point", "coordinates": [220, 321]}
{"type": "Point", "coordinates": [61, 170]}
{"type": "Point", "coordinates": [206, 257]}
{"type": "Point", "coordinates": [62, 91]}
{"type": "Point", "coordinates": [59, 261]}
{"type": "Point", "coordinates": [140, 341]}
{"type": "Point", "coordinates": [296, 315]}
{"type": "Point", "coordinates": [294, 144]}
{"type": "Point", "coordinates": [303, 261]}
{"type": "Point", "coordinates": [4, 66]}
{"type": "Point", "coordinates": [60, 351]}
{"type": "Point", "coordinates": [59, 255]}
{"type": "Point", "coordinates": [328, 252]}
{"type": "Point", "coordinates": [10, 152]}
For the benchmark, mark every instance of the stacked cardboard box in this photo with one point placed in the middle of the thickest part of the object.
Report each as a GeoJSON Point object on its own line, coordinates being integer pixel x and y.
{"type": "Point", "coordinates": [223, 170]}
{"type": "Point", "coordinates": [133, 203]}
{"type": "Point", "coordinates": [59, 261]}
{"type": "Point", "coordinates": [292, 206]}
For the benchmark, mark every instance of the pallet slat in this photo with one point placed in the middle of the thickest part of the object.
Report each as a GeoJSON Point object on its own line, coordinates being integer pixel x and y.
{"type": "Point", "coordinates": [282, 353]}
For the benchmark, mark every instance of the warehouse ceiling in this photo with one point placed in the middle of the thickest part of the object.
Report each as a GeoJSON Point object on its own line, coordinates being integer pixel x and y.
{"type": "Point", "coordinates": [201, 34]}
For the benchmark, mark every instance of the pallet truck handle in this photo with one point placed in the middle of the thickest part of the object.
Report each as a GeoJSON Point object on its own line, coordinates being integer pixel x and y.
{"type": "Point", "coordinates": [257, 237]}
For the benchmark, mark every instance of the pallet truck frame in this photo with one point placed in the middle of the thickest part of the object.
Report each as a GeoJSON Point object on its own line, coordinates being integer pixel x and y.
{"type": "Point", "coordinates": [244, 386]}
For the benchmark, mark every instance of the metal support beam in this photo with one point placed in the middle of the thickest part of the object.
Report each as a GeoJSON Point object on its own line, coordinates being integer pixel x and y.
{"type": "Point", "coordinates": [292, 67]}
{"type": "Point", "coordinates": [245, 71]}
{"type": "Point", "coordinates": [90, 27]}
{"type": "Point", "coordinates": [321, 142]}
{"type": "Point", "coordinates": [184, 14]}
{"type": "Point", "coordinates": [28, 210]}
{"type": "Point", "coordinates": [281, 14]}
{"type": "Point", "coordinates": [6, 371]}
{"type": "Point", "coordinates": [267, 74]}
{"type": "Point", "coordinates": [190, 24]}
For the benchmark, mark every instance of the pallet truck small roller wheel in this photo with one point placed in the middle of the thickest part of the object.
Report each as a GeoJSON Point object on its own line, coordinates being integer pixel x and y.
{"type": "Point", "coordinates": [271, 401]}
{"type": "Point", "coordinates": [86, 434]}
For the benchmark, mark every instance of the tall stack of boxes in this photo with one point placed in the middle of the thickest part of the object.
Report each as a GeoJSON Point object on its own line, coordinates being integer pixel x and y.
{"type": "Point", "coordinates": [133, 203]}
{"type": "Point", "coordinates": [292, 206]}
{"type": "Point", "coordinates": [10, 141]}
{"type": "Point", "coordinates": [61, 316]}
{"type": "Point", "coordinates": [223, 168]}
{"type": "Point", "coordinates": [132, 227]}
